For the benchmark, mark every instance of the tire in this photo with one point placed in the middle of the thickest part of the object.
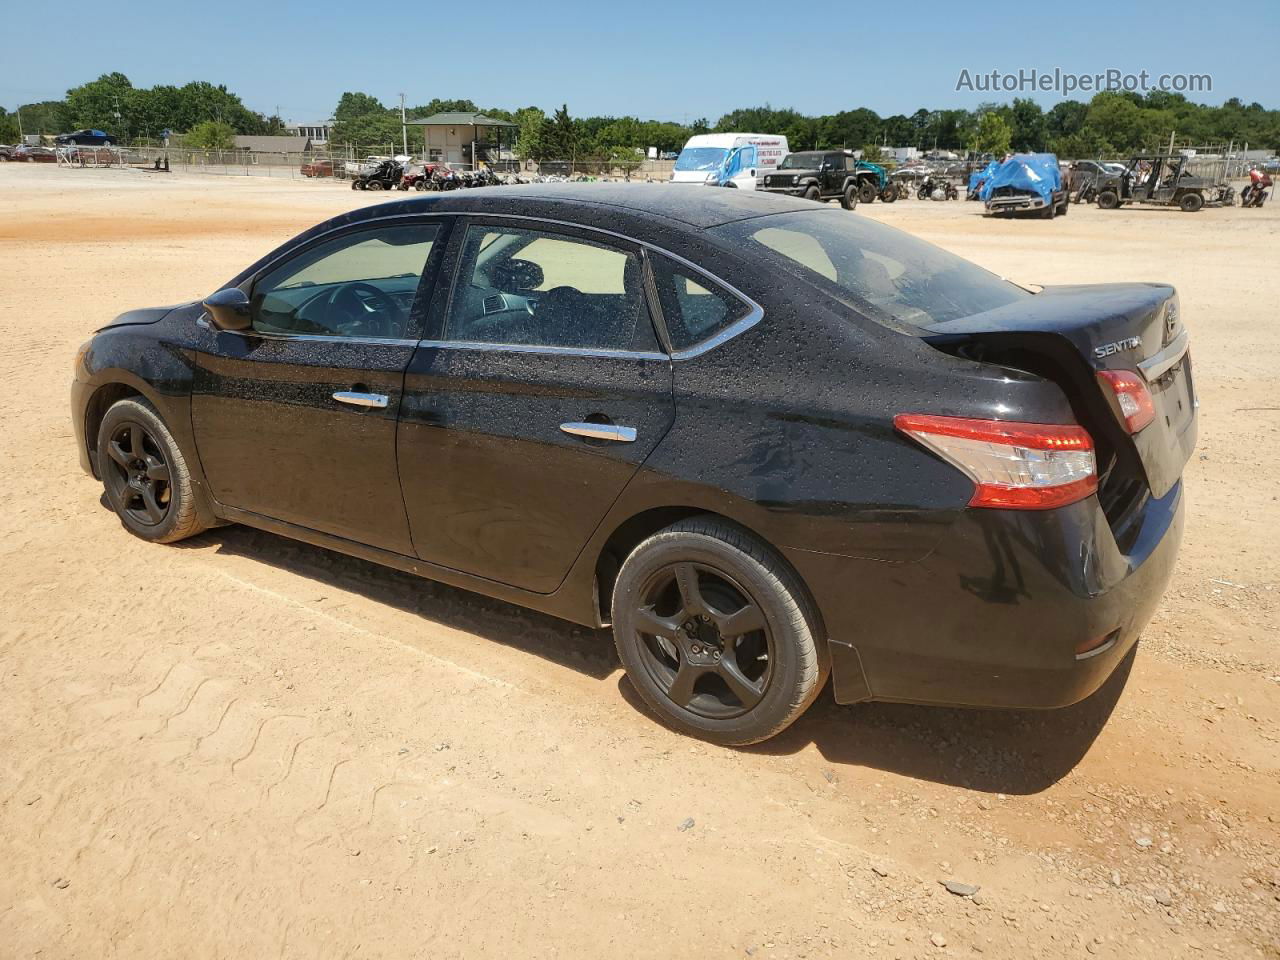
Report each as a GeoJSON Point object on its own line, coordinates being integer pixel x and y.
{"type": "Point", "coordinates": [1066, 205]}
{"type": "Point", "coordinates": [1051, 211]}
{"type": "Point", "coordinates": [811, 193]}
{"type": "Point", "coordinates": [849, 199]}
{"type": "Point", "coordinates": [1191, 202]}
{"type": "Point", "coordinates": [730, 570]}
{"type": "Point", "coordinates": [1108, 200]}
{"type": "Point", "coordinates": [355, 185]}
{"type": "Point", "coordinates": [159, 511]}
{"type": "Point", "coordinates": [922, 194]}
{"type": "Point", "coordinates": [889, 194]}
{"type": "Point", "coordinates": [866, 191]}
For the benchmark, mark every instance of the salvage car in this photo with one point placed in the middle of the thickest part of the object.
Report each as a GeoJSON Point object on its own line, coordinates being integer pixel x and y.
{"type": "Point", "coordinates": [766, 442]}
{"type": "Point", "coordinates": [1165, 181]}
{"type": "Point", "coordinates": [1026, 183]}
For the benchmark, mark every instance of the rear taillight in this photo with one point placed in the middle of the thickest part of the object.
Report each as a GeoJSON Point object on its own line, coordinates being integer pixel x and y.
{"type": "Point", "coordinates": [1021, 466]}
{"type": "Point", "coordinates": [1132, 395]}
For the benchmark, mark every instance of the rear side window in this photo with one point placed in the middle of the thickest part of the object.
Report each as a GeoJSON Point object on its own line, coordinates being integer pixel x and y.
{"type": "Point", "coordinates": [694, 307]}
{"type": "Point", "coordinates": [886, 273]}
{"type": "Point", "coordinates": [538, 288]}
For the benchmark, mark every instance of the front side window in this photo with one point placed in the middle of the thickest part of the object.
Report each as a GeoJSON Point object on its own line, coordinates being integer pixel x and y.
{"type": "Point", "coordinates": [536, 288]}
{"type": "Point", "coordinates": [887, 273]}
{"type": "Point", "coordinates": [694, 308]}
{"type": "Point", "coordinates": [361, 284]}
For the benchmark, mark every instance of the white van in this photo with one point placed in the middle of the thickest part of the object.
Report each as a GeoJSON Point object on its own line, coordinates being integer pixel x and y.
{"type": "Point", "coordinates": [729, 159]}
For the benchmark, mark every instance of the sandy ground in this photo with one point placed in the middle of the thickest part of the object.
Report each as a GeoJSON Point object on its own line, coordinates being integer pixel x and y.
{"type": "Point", "coordinates": [247, 747]}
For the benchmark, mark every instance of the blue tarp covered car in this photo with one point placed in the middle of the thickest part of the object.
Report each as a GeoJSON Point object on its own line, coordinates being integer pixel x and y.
{"type": "Point", "coordinates": [980, 177]}
{"type": "Point", "coordinates": [1026, 182]}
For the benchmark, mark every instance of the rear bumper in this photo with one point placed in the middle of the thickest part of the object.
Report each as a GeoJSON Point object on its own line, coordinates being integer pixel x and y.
{"type": "Point", "coordinates": [994, 617]}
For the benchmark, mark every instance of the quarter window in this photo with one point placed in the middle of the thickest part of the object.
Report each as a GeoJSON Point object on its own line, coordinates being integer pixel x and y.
{"type": "Point", "coordinates": [694, 307]}
{"type": "Point", "coordinates": [361, 284]}
{"type": "Point", "coordinates": [535, 288]}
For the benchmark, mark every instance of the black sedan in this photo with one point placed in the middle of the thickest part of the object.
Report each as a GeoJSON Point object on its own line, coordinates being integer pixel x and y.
{"type": "Point", "coordinates": [86, 138]}
{"type": "Point", "coordinates": [767, 442]}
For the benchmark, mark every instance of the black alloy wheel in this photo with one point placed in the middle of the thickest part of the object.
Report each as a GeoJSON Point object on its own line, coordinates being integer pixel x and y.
{"type": "Point", "coordinates": [703, 641]}
{"type": "Point", "coordinates": [717, 634]}
{"type": "Point", "coordinates": [138, 474]}
{"type": "Point", "coordinates": [145, 475]}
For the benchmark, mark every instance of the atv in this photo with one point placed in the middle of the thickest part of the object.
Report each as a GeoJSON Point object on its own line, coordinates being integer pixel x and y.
{"type": "Point", "coordinates": [1162, 180]}
{"type": "Point", "coordinates": [385, 176]}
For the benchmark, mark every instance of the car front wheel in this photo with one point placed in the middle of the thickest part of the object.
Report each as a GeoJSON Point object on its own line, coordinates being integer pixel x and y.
{"type": "Point", "coordinates": [145, 475]}
{"type": "Point", "coordinates": [716, 633]}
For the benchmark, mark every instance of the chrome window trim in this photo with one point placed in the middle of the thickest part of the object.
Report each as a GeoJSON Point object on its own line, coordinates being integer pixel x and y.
{"type": "Point", "coordinates": [1155, 367]}
{"type": "Point", "coordinates": [203, 321]}
{"type": "Point", "coordinates": [754, 315]}
{"type": "Point", "coordinates": [536, 348]}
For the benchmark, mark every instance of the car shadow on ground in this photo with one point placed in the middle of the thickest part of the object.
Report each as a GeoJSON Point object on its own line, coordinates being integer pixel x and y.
{"type": "Point", "coordinates": [995, 751]}
{"type": "Point", "coordinates": [578, 648]}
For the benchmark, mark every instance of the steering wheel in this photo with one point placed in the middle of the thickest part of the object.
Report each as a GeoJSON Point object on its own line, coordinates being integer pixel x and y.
{"type": "Point", "coordinates": [377, 323]}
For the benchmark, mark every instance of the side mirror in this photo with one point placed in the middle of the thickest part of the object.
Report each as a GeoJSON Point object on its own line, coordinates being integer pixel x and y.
{"type": "Point", "coordinates": [229, 309]}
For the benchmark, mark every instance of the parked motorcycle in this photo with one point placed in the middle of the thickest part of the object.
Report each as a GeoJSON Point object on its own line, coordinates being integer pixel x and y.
{"type": "Point", "coordinates": [1255, 194]}
{"type": "Point", "coordinates": [937, 188]}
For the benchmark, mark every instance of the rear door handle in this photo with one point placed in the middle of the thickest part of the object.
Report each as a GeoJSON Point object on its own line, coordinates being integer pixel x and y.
{"type": "Point", "coordinates": [375, 400]}
{"type": "Point", "coordinates": [601, 431]}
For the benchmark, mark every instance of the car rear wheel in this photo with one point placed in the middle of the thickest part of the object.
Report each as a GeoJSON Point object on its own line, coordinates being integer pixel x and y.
{"type": "Point", "coordinates": [716, 633]}
{"type": "Point", "coordinates": [1191, 202]}
{"type": "Point", "coordinates": [145, 475]}
{"type": "Point", "coordinates": [849, 199]}
{"type": "Point", "coordinates": [889, 194]}
{"type": "Point", "coordinates": [1108, 200]}
{"type": "Point", "coordinates": [866, 191]}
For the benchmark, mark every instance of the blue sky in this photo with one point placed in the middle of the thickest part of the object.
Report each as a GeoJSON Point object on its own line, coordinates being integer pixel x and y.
{"type": "Point", "coordinates": [655, 59]}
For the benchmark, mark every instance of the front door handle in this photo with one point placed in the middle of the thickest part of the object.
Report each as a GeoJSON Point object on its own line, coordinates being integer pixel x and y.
{"type": "Point", "coordinates": [601, 431]}
{"type": "Point", "coordinates": [375, 400]}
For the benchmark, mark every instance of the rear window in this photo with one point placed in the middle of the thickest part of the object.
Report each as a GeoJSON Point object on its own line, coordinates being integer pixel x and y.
{"type": "Point", "coordinates": [888, 274]}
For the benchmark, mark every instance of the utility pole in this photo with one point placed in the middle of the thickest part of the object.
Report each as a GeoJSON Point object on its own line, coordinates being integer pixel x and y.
{"type": "Point", "coordinates": [404, 128]}
{"type": "Point", "coordinates": [21, 138]}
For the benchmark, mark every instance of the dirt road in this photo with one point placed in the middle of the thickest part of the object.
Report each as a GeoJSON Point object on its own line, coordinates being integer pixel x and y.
{"type": "Point", "coordinates": [246, 747]}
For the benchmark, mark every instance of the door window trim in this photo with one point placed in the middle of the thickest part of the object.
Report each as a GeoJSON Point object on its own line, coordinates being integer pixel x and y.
{"type": "Point", "coordinates": [445, 249]}
{"type": "Point", "coordinates": [418, 312]}
{"type": "Point", "coordinates": [617, 241]}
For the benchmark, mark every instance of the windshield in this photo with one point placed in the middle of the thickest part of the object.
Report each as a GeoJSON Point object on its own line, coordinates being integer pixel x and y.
{"type": "Point", "coordinates": [801, 161]}
{"type": "Point", "coordinates": [869, 265]}
{"type": "Point", "coordinates": [701, 158]}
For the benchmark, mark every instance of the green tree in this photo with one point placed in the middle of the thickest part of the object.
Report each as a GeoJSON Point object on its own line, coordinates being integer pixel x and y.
{"type": "Point", "coordinates": [371, 130]}
{"type": "Point", "coordinates": [1066, 119]}
{"type": "Point", "coordinates": [211, 135]}
{"type": "Point", "coordinates": [560, 135]}
{"type": "Point", "coordinates": [850, 127]}
{"type": "Point", "coordinates": [992, 135]}
{"type": "Point", "coordinates": [353, 105]}
{"type": "Point", "coordinates": [871, 153]}
{"type": "Point", "coordinates": [1027, 125]}
{"type": "Point", "coordinates": [529, 142]}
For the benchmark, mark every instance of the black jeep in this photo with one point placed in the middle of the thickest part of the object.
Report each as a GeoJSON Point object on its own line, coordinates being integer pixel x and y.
{"type": "Point", "coordinates": [817, 175]}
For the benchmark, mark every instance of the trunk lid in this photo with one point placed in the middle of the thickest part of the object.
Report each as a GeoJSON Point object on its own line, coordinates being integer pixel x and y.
{"type": "Point", "coordinates": [1069, 334]}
